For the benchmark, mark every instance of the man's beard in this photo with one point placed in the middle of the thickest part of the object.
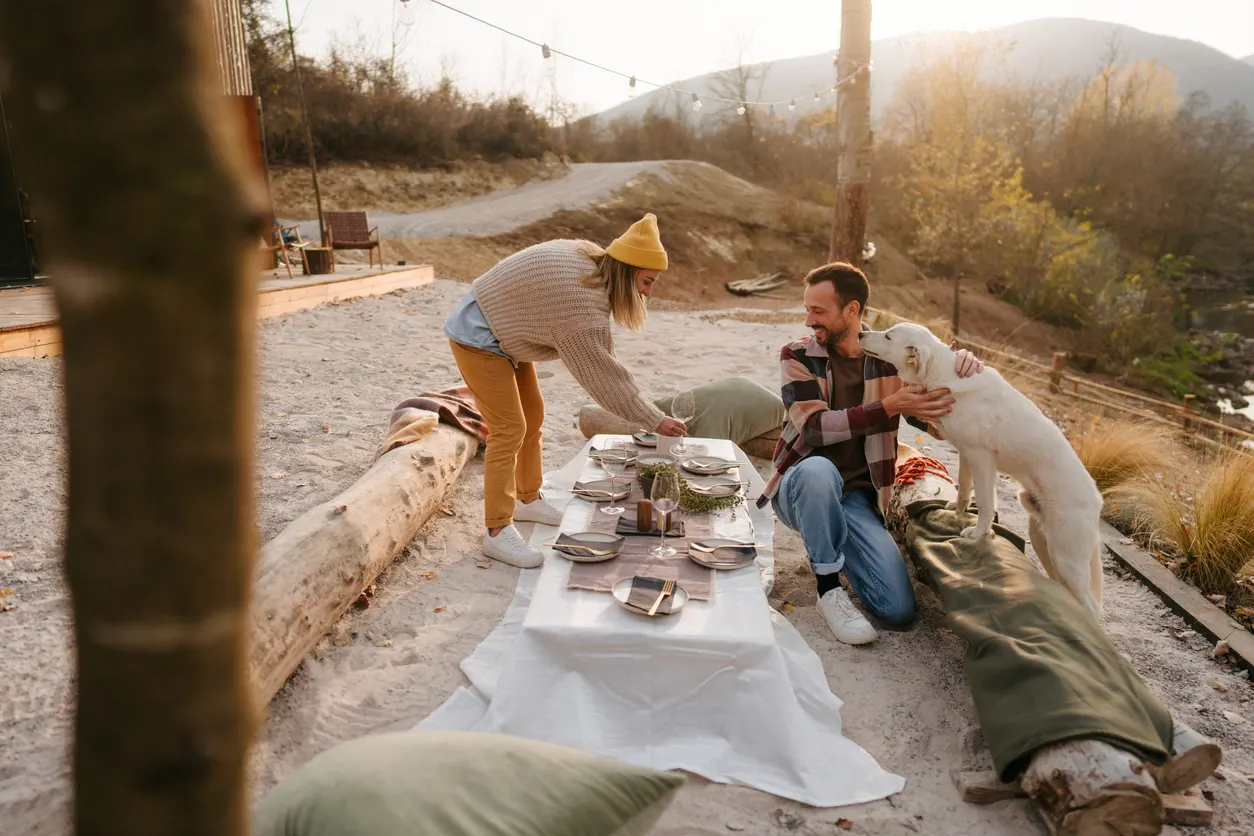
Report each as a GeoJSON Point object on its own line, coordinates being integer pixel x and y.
{"type": "Point", "coordinates": [833, 337]}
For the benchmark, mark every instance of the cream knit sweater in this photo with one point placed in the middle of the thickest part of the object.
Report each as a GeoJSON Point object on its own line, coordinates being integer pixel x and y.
{"type": "Point", "coordinates": [535, 305]}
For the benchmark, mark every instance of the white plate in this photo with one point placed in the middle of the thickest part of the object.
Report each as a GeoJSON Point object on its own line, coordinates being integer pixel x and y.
{"type": "Point", "coordinates": [655, 460]}
{"type": "Point", "coordinates": [708, 465]}
{"type": "Point", "coordinates": [622, 490]}
{"type": "Point", "coordinates": [645, 439]}
{"type": "Point", "coordinates": [716, 486]}
{"type": "Point", "coordinates": [622, 590]}
{"type": "Point", "coordinates": [722, 559]}
{"type": "Point", "coordinates": [631, 456]}
{"type": "Point", "coordinates": [592, 539]}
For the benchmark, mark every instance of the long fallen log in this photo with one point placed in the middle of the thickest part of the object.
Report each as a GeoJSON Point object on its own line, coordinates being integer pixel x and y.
{"type": "Point", "coordinates": [1084, 787]}
{"type": "Point", "coordinates": [317, 567]}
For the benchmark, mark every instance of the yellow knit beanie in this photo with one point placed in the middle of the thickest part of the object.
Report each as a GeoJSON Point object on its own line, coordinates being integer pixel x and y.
{"type": "Point", "coordinates": [640, 246]}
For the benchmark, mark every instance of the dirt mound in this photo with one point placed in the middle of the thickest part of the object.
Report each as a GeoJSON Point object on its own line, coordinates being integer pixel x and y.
{"type": "Point", "coordinates": [716, 227]}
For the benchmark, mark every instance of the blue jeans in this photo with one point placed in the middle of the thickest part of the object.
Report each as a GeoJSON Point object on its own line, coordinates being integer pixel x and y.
{"type": "Point", "coordinates": [845, 531]}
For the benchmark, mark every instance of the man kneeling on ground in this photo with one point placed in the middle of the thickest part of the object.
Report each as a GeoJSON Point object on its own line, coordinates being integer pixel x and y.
{"type": "Point", "coordinates": [837, 454]}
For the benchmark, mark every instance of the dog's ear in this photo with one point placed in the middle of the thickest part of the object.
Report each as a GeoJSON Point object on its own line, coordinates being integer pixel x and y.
{"type": "Point", "coordinates": [912, 358]}
{"type": "Point", "coordinates": [918, 361]}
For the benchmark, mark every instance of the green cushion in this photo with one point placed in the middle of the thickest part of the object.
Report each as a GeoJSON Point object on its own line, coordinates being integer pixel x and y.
{"type": "Point", "coordinates": [735, 408]}
{"type": "Point", "coordinates": [463, 784]}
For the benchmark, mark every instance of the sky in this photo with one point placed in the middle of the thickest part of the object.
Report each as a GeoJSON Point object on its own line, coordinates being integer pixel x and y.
{"type": "Point", "coordinates": [669, 40]}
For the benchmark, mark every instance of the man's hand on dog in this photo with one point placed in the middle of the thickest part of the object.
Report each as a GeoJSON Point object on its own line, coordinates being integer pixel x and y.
{"type": "Point", "coordinates": [918, 402]}
{"type": "Point", "coordinates": [967, 363]}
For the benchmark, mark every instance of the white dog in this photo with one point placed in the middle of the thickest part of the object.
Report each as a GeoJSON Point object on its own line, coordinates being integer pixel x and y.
{"type": "Point", "coordinates": [996, 428]}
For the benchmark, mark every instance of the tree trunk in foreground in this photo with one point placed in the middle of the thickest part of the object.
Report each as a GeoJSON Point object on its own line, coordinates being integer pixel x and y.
{"type": "Point", "coordinates": [151, 218]}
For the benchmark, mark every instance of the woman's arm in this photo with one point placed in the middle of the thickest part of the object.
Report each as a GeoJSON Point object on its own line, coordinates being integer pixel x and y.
{"type": "Point", "coordinates": [589, 354]}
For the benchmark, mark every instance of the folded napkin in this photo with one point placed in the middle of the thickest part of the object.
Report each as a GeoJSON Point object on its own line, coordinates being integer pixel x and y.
{"type": "Point", "coordinates": [627, 527]}
{"type": "Point", "coordinates": [644, 592]}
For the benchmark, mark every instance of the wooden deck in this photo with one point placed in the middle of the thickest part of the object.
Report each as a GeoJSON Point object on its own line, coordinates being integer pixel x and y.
{"type": "Point", "coordinates": [28, 316]}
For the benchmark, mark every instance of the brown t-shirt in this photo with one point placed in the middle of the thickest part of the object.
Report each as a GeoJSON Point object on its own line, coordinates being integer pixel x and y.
{"type": "Point", "coordinates": [848, 456]}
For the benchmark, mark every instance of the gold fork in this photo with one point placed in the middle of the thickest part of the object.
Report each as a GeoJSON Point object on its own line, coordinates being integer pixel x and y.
{"type": "Point", "coordinates": [667, 589]}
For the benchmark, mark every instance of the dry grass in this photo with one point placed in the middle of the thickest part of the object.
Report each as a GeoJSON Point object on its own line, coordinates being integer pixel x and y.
{"type": "Point", "coordinates": [1121, 450]}
{"type": "Point", "coordinates": [1212, 531]}
{"type": "Point", "coordinates": [400, 188]}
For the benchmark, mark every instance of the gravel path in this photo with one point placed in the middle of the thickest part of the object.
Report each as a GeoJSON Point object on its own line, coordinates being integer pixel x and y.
{"type": "Point", "coordinates": [508, 209]}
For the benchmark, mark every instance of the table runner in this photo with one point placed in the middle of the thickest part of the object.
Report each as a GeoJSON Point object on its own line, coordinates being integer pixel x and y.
{"type": "Point", "coordinates": [634, 559]}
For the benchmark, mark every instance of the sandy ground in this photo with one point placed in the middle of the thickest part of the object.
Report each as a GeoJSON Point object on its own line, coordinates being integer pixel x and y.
{"type": "Point", "coordinates": [328, 380]}
{"type": "Point", "coordinates": [508, 209]}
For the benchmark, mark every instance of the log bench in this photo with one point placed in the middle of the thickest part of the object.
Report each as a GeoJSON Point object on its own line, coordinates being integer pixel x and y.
{"type": "Point", "coordinates": [1084, 786]}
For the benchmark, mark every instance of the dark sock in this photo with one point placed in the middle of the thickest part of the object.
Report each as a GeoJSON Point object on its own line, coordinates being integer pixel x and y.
{"type": "Point", "coordinates": [828, 582]}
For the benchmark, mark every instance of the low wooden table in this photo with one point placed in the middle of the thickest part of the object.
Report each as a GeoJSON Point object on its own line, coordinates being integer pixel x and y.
{"type": "Point", "coordinates": [318, 261]}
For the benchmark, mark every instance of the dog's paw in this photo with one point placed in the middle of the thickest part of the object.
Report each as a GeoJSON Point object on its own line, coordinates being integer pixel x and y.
{"type": "Point", "coordinates": [953, 506]}
{"type": "Point", "coordinates": [972, 533]}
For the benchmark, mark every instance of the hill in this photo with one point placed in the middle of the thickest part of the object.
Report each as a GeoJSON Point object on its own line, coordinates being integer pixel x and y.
{"type": "Point", "coordinates": [717, 227]}
{"type": "Point", "coordinates": [1052, 48]}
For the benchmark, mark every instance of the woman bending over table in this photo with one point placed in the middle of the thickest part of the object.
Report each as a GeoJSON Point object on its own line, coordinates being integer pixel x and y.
{"type": "Point", "coordinates": [550, 301]}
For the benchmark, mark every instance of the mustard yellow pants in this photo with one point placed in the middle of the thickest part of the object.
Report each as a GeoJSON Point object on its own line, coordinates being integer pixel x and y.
{"type": "Point", "coordinates": [512, 407]}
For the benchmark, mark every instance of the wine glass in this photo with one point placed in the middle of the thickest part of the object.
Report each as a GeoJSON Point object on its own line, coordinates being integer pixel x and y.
{"type": "Point", "coordinates": [665, 496]}
{"type": "Point", "coordinates": [614, 458]}
{"type": "Point", "coordinates": [683, 408]}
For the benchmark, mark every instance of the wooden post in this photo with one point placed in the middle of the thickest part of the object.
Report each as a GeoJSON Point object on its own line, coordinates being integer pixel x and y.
{"type": "Point", "coordinates": [853, 116]}
{"type": "Point", "coordinates": [151, 215]}
{"type": "Point", "coordinates": [304, 111]}
{"type": "Point", "coordinates": [1189, 409]}
{"type": "Point", "coordinates": [1055, 372]}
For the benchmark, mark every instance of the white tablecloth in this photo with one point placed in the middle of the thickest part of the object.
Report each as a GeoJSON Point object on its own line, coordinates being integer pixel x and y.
{"type": "Point", "coordinates": [726, 689]}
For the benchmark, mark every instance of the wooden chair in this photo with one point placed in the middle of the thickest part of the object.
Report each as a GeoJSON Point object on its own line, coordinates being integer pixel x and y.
{"type": "Point", "coordinates": [351, 231]}
{"type": "Point", "coordinates": [277, 248]}
{"type": "Point", "coordinates": [281, 245]}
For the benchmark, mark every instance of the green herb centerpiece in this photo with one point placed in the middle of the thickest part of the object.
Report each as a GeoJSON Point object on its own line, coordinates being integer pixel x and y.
{"type": "Point", "coordinates": [690, 502]}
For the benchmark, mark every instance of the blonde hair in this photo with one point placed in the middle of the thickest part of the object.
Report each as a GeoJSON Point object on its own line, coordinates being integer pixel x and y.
{"type": "Point", "coordinates": [618, 280]}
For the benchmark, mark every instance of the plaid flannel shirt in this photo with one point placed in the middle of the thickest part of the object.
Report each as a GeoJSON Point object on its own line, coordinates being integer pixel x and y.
{"type": "Point", "coordinates": [811, 422]}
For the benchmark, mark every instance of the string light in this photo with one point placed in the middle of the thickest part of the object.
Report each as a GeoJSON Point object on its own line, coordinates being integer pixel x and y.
{"type": "Point", "coordinates": [631, 88]}
{"type": "Point", "coordinates": [548, 52]}
{"type": "Point", "coordinates": [740, 111]}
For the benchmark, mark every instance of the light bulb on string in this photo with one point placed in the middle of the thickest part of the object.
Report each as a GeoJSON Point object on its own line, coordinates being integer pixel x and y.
{"type": "Point", "coordinates": [545, 51]}
{"type": "Point", "coordinates": [740, 110]}
{"type": "Point", "coordinates": [406, 17]}
{"type": "Point", "coordinates": [696, 103]}
{"type": "Point", "coordinates": [792, 105]}
{"type": "Point", "coordinates": [772, 110]}
{"type": "Point", "coordinates": [818, 97]}
{"type": "Point", "coordinates": [631, 87]}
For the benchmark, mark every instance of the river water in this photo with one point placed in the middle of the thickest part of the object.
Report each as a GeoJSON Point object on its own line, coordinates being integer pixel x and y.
{"type": "Point", "coordinates": [1231, 311]}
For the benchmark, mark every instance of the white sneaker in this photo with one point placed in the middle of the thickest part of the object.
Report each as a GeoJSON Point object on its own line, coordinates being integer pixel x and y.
{"type": "Point", "coordinates": [539, 511]}
{"type": "Point", "coordinates": [509, 547]}
{"type": "Point", "coordinates": [849, 625]}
